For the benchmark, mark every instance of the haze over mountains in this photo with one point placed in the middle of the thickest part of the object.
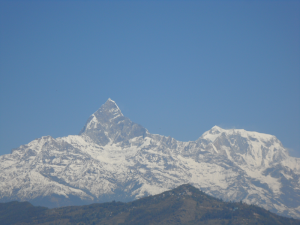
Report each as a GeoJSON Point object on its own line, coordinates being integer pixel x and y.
{"type": "Point", "coordinates": [114, 158]}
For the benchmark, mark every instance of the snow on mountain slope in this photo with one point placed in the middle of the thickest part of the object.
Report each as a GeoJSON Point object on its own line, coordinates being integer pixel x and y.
{"type": "Point", "coordinates": [115, 159]}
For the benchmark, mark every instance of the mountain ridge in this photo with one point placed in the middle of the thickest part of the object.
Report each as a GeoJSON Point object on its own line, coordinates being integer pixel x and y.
{"type": "Point", "coordinates": [115, 158]}
{"type": "Point", "coordinates": [183, 205]}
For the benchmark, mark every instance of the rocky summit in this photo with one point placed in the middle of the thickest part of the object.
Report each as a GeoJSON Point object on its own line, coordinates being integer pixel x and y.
{"type": "Point", "coordinates": [114, 158]}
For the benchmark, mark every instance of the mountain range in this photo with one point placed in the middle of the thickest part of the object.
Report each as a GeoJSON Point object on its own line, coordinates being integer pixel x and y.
{"type": "Point", "coordinates": [113, 158]}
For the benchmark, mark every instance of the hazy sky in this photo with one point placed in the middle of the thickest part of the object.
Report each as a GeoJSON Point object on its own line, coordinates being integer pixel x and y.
{"type": "Point", "coordinates": [176, 67]}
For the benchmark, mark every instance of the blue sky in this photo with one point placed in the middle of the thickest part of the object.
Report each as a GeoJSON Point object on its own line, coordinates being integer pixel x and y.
{"type": "Point", "coordinates": [176, 67]}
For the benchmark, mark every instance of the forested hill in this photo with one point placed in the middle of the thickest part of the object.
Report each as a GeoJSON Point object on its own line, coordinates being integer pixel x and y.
{"type": "Point", "coordinates": [183, 205]}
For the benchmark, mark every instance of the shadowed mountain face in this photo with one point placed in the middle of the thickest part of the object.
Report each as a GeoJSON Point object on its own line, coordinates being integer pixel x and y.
{"type": "Point", "coordinates": [114, 158]}
{"type": "Point", "coordinates": [108, 125]}
{"type": "Point", "coordinates": [183, 205]}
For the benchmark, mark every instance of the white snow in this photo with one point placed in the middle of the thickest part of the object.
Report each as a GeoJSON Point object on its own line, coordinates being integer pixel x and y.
{"type": "Point", "coordinates": [78, 164]}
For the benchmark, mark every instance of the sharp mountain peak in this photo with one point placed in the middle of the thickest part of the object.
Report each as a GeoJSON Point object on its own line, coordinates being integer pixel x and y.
{"type": "Point", "coordinates": [115, 158]}
{"type": "Point", "coordinates": [109, 125]}
{"type": "Point", "coordinates": [110, 108]}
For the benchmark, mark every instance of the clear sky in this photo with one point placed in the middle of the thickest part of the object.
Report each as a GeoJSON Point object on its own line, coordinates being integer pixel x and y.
{"type": "Point", "coordinates": [176, 67]}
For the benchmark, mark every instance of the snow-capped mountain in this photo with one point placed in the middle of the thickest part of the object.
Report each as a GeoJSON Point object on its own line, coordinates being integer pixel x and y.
{"type": "Point", "coordinates": [114, 158]}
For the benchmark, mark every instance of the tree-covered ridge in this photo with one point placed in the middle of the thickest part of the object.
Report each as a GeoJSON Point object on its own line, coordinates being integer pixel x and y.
{"type": "Point", "coordinates": [183, 205]}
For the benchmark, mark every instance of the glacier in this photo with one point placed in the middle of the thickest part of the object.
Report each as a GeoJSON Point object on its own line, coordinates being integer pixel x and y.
{"type": "Point", "coordinates": [113, 158]}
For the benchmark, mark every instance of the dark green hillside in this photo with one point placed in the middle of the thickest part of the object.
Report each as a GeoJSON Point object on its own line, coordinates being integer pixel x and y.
{"type": "Point", "coordinates": [183, 205]}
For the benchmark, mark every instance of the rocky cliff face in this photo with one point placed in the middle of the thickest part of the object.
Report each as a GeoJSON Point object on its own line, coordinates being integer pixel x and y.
{"type": "Point", "coordinates": [113, 158]}
{"type": "Point", "coordinates": [108, 125]}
